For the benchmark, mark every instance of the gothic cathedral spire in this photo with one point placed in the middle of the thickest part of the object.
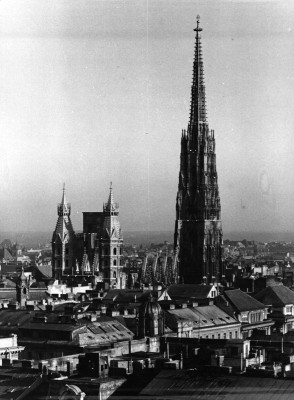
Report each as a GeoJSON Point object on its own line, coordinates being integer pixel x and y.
{"type": "Point", "coordinates": [198, 230]}
{"type": "Point", "coordinates": [111, 244]}
{"type": "Point", "coordinates": [63, 241]}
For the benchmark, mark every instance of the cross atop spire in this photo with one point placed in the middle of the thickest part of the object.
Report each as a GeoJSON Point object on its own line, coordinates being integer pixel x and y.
{"type": "Point", "coordinates": [198, 29]}
{"type": "Point", "coordinates": [198, 101]}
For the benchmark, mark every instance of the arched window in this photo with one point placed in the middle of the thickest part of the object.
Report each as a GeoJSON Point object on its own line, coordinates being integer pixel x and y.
{"type": "Point", "coordinates": [114, 251]}
{"type": "Point", "coordinates": [114, 262]}
{"type": "Point", "coordinates": [114, 274]}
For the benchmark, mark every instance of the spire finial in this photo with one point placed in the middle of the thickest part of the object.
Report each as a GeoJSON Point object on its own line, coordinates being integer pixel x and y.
{"type": "Point", "coordinates": [198, 29]}
{"type": "Point", "coordinates": [110, 199]}
{"type": "Point", "coordinates": [198, 103]}
{"type": "Point", "coordinates": [63, 208]}
{"type": "Point", "coordinates": [63, 201]}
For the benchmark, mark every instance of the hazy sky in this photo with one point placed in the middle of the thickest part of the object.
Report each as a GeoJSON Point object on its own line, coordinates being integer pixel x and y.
{"type": "Point", "coordinates": [82, 82]}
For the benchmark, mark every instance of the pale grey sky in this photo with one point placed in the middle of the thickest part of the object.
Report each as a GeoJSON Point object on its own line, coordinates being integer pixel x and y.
{"type": "Point", "coordinates": [82, 82]}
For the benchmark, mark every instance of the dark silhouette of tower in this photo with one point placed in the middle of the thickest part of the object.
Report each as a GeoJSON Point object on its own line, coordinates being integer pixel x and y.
{"type": "Point", "coordinates": [198, 230]}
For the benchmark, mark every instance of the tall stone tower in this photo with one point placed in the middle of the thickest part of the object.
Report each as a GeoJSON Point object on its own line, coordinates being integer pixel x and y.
{"type": "Point", "coordinates": [111, 244]}
{"type": "Point", "coordinates": [22, 289]}
{"type": "Point", "coordinates": [63, 241]}
{"type": "Point", "coordinates": [198, 230]}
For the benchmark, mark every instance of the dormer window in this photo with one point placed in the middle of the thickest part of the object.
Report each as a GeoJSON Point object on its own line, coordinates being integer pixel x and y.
{"type": "Point", "coordinates": [289, 310]}
{"type": "Point", "coordinates": [244, 317]}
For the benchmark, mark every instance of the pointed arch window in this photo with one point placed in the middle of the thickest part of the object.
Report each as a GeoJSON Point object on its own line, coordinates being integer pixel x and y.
{"type": "Point", "coordinates": [114, 251]}
{"type": "Point", "coordinates": [114, 263]}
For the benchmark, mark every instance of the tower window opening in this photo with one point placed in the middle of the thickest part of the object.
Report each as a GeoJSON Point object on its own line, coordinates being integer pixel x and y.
{"type": "Point", "coordinates": [114, 251]}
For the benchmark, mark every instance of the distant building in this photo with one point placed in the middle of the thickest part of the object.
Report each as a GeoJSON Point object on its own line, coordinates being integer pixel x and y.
{"type": "Point", "coordinates": [91, 256]}
{"type": "Point", "coordinates": [63, 242]}
{"type": "Point", "coordinates": [198, 230]}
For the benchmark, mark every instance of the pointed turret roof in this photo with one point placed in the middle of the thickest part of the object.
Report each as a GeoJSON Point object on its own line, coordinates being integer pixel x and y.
{"type": "Point", "coordinates": [63, 226]}
{"type": "Point", "coordinates": [110, 198]}
{"type": "Point", "coordinates": [111, 221]}
{"type": "Point", "coordinates": [198, 99]}
{"type": "Point", "coordinates": [63, 208]}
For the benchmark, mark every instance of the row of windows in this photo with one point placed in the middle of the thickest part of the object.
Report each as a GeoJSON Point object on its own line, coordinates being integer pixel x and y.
{"type": "Point", "coordinates": [230, 335]}
{"type": "Point", "coordinates": [58, 251]}
{"type": "Point", "coordinates": [114, 263]}
{"type": "Point", "coordinates": [105, 251]}
{"type": "Point", "coordinates": [252, 317]}
{"type": "Point", "coordinates": [115, 251]}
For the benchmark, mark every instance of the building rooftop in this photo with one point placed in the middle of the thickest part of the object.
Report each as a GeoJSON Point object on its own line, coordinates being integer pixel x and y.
{"type": "Point", "coordinates": [190, 385]}
{"type": "Point", "coordinates": [14, 381]}
{"type": "Point", "coordinates": [206, 315]}
{"type": "Point", "coordinates": [242, 301]}
{"type": "Point", "coordinates": [189, 291]}
{"type": "Point", "coordinates": [277, 296]}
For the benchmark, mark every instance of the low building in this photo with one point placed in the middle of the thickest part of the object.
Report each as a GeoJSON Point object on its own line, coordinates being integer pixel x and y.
{"type": "Point", "coordinates": [280, 301]}
{"type": "Point", "coordinates": [49, 335]}
{"type": "Point", "coordinates": [250, 312]}
{"type": "Point", "coordinates": [202, 322]}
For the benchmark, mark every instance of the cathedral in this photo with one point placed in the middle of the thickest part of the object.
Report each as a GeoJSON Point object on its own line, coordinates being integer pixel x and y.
{"type": "Point", "coordinates": [198, 228]}
{"type": "Point", "coordinates": [95, 255]}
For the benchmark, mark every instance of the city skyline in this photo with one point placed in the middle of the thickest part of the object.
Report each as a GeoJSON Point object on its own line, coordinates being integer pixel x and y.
{"type": "Point", "coordinates": [87, 103]}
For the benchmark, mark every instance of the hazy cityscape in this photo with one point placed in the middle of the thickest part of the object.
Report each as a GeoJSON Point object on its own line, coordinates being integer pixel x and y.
{"type": "Point", "coordinates": [146, 231]}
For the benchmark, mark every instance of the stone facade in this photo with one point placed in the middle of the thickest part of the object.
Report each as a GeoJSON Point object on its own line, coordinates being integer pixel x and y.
{"type": "Point", "coordinates": [198, 230]}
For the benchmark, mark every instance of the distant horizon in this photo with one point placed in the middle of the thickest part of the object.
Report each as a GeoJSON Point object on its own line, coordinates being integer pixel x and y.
{"type": "Point", "coordinates": [30, 238]}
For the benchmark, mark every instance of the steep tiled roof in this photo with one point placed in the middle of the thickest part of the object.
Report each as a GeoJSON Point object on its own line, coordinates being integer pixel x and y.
{"type": "Point", "coordinates": [242, 301]}
{"type": "Point", "coordinates": [188, 291]}
{"type": "Point", "coordinates": [15, 381]}
{"type": "Point", "coordinates": [277, 296]}
{"type": "Point", "coordinates": [45, 270]}
{"type": "Point", "coordinates": [127, 296]}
